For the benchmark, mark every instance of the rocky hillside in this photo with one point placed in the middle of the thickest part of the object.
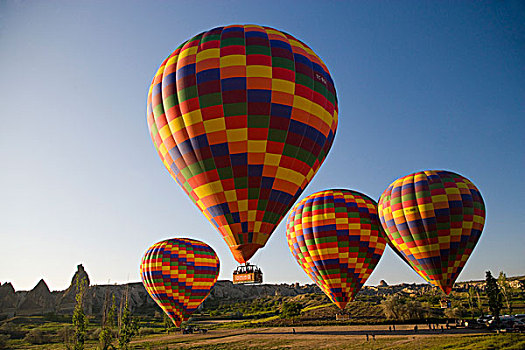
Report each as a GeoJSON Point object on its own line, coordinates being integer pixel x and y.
{"type": "Point", "coordinates": [40, 300]}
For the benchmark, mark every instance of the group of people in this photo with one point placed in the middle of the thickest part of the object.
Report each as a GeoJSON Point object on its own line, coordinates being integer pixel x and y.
{"type": "Point", "coordinates": [431, 326]}
{"type": "Point", "coordinates": [435, 326]}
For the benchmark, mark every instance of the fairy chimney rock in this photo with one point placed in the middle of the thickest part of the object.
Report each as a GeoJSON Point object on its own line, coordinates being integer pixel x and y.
{"type": "Point", "coordinates": [67, 302]}
{"type": "Point", "coordinates": [80, 275]}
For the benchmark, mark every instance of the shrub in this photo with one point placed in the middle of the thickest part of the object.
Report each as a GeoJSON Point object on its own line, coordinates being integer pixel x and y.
{"type": "Point", "coordinates": [456, 312]}
{"type": "Point", "coordinates": [3, 341]}
{"type": "Point", "coordinates": [147, 330]}
{"type": "Point", "coordinates": [65, 334]}
{"type": "Point", "coordinates": [291, 309]}
{"type": "Point", "coordinates": [94, 334]}
{"type": "Point", "coordinates": [53, 317]}
{"type": "Point", "coordinates": [36, 336]}
{"type": "Point", "coordinates": [399, 308]}
{"type": "Point", "coordinates": [393, 307]}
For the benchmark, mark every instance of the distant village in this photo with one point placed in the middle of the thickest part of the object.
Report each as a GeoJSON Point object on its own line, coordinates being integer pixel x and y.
{"type": "Point", "coordinates": [412, 290]}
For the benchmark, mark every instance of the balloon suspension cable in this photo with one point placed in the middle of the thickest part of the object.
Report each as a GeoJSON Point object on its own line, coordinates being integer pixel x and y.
{"type": "Point", "coordinates": [260, 252]}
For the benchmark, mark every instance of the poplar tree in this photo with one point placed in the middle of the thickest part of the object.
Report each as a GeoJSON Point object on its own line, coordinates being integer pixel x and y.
{"type": "Point", "coordinates": [494, 295]}
{"type": "Point", "coordinates": [80, 321]}
{"type": "Point", "coordinates": [506, 291]}
{"type": "Point", "coordinates": [127, 326]}
{"type": "Point", "coordinates": [108, 323]}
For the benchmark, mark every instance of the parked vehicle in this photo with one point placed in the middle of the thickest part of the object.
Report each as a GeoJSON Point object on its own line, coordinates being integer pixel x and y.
{"type": "Point", "coordinates": [519, 326]}
{"type": "Point", "coordinates": [507, 322]}
{"type": "Point", "coordinates": [520, 317]}
{"type": "Point", "coordinates": [475, 324]}
{"type": "Point", "coordinates": [193, 329]}
{"type": "Point", "coordinates": [484, 319]}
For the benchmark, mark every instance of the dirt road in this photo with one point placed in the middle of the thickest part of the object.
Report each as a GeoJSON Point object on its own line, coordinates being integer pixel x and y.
{"type": "Point", "coordinates": [324, 337]}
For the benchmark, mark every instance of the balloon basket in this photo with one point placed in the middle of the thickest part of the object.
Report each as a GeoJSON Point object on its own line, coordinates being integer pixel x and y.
{"type": "Point", "coordinates": [247, 274]}
{"type": "Point", "coordinates": [343, 316]}
{"type": "Point", "coordinates": [445, 303]}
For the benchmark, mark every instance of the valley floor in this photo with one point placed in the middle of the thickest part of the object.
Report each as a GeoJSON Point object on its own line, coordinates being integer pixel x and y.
{"type": "Point", "coordinates": [335, 337]}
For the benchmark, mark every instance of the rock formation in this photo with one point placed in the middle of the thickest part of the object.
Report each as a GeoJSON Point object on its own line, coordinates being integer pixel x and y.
{"type": "Point", "coordinates": [8, 299]}
{"type": "Point", "coordinates": [226, 290]}
{"type": "Point", "coordinates": [39, 301]}
{"type": "Point", "coordinates": [67, 301]}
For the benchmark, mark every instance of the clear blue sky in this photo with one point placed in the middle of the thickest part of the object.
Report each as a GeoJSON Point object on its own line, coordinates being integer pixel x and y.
{"type": "Point", "coordinates": [421, 85]}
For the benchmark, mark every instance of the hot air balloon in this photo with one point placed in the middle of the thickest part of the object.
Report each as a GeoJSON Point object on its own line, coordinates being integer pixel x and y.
{"type": "Point", "coordinates": [242, 117]}
{"type": "Point", "coordinates": [434, 220]}
{"type": "Point", "coordinates": [179, 273]}
{"type": "Point", "coordinates": [335, 236]}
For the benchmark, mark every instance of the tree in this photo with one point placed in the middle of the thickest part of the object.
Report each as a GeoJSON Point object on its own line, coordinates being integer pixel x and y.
{"type": "Point", "coordinates": [127, 326]}
{"type": "Point", "coordinates": [108, 323]}
{"type": "Point", "coordinates": [66, 334]}
{"type": "Point", "coordinates": [393, 307]}
{"type": "Point", "coordinates": [506, 291]}
{"type": "Point", "coordinates": [3, 341]}
{"type": "Point", "coordinates": [291, 309]}
{"type": "Point", "coordinates": [456, 312]}
{"type": "Point", "coordinates": [414, 310]}
{"type": "Point", "coordinates": [36, 336]}
{"type": "Point", "coordinates": [494, 295]}
{"type": "Point", "coordinates": [471, 302]}
{"type": "Point", "coordinates": [398, 308]}
{"type": "Point", "coordinates": [168, 323]}
{"type": "Point", "coordinates": [80, 320]}
{"type": "Point", "coordinates": [480, 304]}
{"type": "Point", "coordinates": [474, 301]}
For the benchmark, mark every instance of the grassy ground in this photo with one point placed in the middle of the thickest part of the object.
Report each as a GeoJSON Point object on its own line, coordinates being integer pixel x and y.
{"type": "Point", "coordinates": [313, 337]}
{"type": "Point", "coordinates": [285, 340]}
{"type": "Point", "coordinates": [256, 324]}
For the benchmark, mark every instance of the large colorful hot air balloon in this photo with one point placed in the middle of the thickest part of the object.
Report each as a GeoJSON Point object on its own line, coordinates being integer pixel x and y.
{"type": "Point", "coordinates": [433, 219]}
{"type": "Point", "coordinates": [179, 273]}
{"type": "Point", "coordinates": [335, 236]}
{"type": "Point", "coordinates": [242, 117]}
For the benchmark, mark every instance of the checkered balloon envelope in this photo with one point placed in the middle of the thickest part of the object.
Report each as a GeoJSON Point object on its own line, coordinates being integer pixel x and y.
{"type": "Point", "coordinates": [242, 117]}
{"type": "Point", "coordinates": [336, 237]}
{"type": "Point", "coordinates": [433, 220]}
{"type": "Point", "coordinates": [179, 274]}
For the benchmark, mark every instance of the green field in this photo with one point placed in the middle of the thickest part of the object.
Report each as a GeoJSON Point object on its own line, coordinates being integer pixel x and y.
{"type": "Point", "coordinates": [237, 335]}
{"type": "Point", "coordinates": [243, 324]}
{"type": "Point", "coordinates": [500, 342]}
